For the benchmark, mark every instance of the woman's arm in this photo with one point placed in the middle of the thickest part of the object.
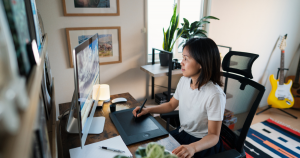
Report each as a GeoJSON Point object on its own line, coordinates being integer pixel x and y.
{"type": "Point", "coordinates": [163, 108]}
{"type": "Point", "coordinates": [210, 140]}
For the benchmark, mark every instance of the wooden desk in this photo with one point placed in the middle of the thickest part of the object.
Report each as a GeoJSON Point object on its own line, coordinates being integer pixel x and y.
{"type": "Point", "coordinates": [69, 141]}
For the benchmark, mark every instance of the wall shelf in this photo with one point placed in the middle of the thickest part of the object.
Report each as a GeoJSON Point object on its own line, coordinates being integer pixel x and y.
{"type": "Point", "coordinates": [20, 144]}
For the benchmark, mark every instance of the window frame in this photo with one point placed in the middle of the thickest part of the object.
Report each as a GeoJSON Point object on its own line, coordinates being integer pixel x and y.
{"type": "Point", "coordinates": [205, 9]}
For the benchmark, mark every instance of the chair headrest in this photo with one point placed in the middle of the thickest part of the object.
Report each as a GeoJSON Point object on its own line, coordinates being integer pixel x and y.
{"type": "Point", "coordinates": [239, 62]}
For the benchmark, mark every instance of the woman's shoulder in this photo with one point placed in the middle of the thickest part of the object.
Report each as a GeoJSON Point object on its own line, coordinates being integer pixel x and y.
{"type": "Point", "coordinates": [214, 89]}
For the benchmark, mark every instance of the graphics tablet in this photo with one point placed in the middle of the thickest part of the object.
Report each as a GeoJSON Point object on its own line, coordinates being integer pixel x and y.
{"type": "Point", "coordinates": [133, 130]}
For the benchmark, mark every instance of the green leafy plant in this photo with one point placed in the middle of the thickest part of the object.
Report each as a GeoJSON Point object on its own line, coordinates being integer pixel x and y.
{"type": "Point", "coordinates": [169, 40]}
{"type": "Point", "coordinates": [194, 29]}
{"type": "Point", "coordinates": [153, 150]}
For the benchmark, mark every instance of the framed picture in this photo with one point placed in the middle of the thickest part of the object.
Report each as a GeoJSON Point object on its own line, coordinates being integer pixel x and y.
{"type": "Point", "coordinates": [91, 7]}
{"type": "Point", "coordinates": [109, 39]}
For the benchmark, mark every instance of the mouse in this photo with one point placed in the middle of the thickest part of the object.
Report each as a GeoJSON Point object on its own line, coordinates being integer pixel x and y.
{"type": "Point", "coordinates": [117, 100]}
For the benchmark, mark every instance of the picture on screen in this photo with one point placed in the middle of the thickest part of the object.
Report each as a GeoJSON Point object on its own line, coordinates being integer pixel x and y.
{"type": "Point", "coordinates": [105, 44]}
{"type": "Point", "coordinates": [88, 70]}
{"type": "Point", "coordinates": [88, 75]}
{"type": "Point", "coordinates": [92, 3]}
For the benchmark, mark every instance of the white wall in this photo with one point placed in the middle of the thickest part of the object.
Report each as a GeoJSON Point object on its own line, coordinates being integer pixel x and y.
{"type": "Point", "coordinates": [249, 26]}
{"type": "Point", "coordinates": [254, 26]}
{"type": "Point", "coordinates": [122, 77]}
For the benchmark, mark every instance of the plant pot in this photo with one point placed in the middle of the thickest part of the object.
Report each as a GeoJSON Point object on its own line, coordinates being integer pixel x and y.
{"type": "Point", "coordinates": [164, 59]}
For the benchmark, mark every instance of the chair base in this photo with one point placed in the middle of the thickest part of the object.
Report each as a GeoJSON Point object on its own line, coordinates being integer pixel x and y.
{"type": "Point", "coordinates": [278, 109]}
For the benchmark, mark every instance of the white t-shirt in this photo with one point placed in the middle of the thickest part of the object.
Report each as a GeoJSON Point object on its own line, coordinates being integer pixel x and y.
{"type": "Point", "coordinates": [196, 107]}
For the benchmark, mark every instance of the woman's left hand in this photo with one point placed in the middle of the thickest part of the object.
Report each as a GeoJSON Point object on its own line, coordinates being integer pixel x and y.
{"type": "Point", "coordinates": [184, 151]}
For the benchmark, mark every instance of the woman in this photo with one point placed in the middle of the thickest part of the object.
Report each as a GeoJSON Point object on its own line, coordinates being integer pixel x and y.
{"type": "Point", "coordinates": [200, 99]}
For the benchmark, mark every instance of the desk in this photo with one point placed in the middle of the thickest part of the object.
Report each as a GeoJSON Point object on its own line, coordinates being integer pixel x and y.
{"type": "Point", "coordinates": [157, 71]}
{"type": "Point", "coordinates": [69, 141]}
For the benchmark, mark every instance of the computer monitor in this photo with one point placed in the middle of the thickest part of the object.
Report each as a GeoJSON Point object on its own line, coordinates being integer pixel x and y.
{"type": "Point", "coordinates": [86, 75]}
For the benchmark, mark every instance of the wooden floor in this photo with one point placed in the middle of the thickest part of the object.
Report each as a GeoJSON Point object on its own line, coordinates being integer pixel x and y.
{"type": "Point", "coordinates": [279, 116]}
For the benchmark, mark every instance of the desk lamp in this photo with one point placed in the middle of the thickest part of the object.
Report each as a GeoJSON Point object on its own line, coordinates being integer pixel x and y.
{"type": "Point", "coordinates": [103, 90]}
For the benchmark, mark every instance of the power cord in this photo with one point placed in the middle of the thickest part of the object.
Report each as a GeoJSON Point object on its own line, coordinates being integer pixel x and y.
{"type": "Point", "coordinates": [66, 112]}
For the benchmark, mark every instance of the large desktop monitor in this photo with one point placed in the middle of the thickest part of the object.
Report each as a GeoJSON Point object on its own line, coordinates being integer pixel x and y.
{"type": "Point", "coordinates": [86, 75]}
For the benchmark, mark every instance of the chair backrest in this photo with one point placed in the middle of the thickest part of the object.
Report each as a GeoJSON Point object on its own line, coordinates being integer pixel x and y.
{"type": "Point", "coordinates": [246, 96]}
{"type": "Point", "coordinates": [239, 63]}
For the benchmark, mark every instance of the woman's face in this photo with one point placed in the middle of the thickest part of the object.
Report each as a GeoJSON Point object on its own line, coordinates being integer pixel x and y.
{"type": "Point", "coordinates": [189, 66]}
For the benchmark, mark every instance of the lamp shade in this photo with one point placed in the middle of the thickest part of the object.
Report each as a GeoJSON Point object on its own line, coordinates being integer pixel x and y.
{"type": "Point", "coordinates": [102, 90]}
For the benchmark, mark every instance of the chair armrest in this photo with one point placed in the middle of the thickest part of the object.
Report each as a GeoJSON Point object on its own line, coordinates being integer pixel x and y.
{"type": "Point", "coordinates": [232, 153]}
{"type": "Point", "coordinates": [172, 114]}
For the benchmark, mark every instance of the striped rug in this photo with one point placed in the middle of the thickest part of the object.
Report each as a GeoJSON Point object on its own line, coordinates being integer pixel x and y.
{"type": "Point", "coordinates": [272, 139]}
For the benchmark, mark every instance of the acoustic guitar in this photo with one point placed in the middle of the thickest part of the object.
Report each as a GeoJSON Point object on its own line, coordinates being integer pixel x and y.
{"type": "Point", "coordinates": [280, 95]}
{"type": "Point", "coordinates": [295, 87]}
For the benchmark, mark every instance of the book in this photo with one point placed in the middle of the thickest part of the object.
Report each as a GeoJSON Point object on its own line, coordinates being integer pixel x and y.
{"type": "Point", "coordinates": [38, 32]}
{"type": "Point", "coordinates": [17, 20]}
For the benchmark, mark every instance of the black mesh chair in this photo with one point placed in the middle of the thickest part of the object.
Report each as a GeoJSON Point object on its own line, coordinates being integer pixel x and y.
{"type": "Point", "coordinates": [246, 96]}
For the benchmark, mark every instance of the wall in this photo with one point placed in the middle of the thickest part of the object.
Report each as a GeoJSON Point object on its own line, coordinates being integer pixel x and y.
{"type": "Point", "coordinates": [249, 26]}
{"type": "Point", "coordinates": [122, 77]}
{"type": "Point", "coordinates": [254, 26]}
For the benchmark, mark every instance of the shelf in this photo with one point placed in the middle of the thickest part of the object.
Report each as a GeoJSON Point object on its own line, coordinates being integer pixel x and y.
{"type": "Point", "coordinates": [157, 71]}
{"type": "Point", "coordinates": [52, 120]}
{"type": "Point", "coordinates": [19, 145]}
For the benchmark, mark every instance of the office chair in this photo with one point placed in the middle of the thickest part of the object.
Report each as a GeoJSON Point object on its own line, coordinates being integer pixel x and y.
{"type": "Point", "coordinates": [247, 95]}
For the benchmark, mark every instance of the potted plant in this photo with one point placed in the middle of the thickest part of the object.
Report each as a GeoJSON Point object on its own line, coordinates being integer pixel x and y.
{"type": "Point", "coordinates": [194, 29]}
{"type": "Point", "coordinates": [153, 150]}
{"type": "Point", "coordinates": [169, 40]}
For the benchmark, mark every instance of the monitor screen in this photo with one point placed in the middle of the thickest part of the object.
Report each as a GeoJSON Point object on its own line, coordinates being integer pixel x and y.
{"type": "Point", "coordinates": [87, 74]}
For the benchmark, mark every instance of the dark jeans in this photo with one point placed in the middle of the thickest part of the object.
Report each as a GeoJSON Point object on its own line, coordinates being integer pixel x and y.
{"type": "Point", "coordinates": [185, 138]}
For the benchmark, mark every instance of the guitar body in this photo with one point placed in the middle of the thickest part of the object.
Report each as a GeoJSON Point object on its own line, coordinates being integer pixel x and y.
{"type": "Point", "coordinates": [294, 92]}
{"type": "Point", "coordinates": [280, 95]}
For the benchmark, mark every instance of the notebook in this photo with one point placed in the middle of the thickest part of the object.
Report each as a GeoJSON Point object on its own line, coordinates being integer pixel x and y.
{"type": "Point", "coordinates": [94, 151]}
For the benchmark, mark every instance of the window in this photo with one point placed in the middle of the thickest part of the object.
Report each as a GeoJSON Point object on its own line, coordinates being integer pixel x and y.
{"type": "Point", "coordinates": [159, 14]}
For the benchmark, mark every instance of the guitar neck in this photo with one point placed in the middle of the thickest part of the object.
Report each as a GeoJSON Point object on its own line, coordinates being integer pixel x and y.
{"type": "Point", "coordinates": [281, 76]}
{"type": "Point", "coordinates": [297, 73]}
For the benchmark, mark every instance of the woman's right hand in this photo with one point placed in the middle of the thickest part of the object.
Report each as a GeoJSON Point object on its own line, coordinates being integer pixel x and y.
{"type": "Point", "coordinates": [143, 112]}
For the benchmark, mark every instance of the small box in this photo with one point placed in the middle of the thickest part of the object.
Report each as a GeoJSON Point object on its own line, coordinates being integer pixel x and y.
{"type": "Point", "coordinates": [233, 120]}
{"type": "Point", "coordinates": [160, 98]}
{"type": "Point", "coordinates": [166, 93]}
{"type": "Point", "coordinates": [228, 114]}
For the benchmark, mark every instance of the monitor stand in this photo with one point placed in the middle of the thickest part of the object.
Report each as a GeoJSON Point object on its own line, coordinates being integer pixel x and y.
{"type": "Point", "coordinates": [96, 126]}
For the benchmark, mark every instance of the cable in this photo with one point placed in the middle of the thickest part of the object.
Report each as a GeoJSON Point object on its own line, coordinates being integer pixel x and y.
{"type": "Point", "coordinates": [66, 112]}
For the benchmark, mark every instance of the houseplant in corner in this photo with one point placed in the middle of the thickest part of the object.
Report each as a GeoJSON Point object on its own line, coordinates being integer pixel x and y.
{"type": "Point", "coordinates": [194, 29]}
{"type": "Point", "coordinates": [169, 40]}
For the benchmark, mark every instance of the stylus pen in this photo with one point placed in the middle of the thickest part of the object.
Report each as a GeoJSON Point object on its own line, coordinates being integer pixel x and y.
{"type": "Point", "coordinates": [112, 149]}
{"type": "Point", "coordinates": [141, 108]}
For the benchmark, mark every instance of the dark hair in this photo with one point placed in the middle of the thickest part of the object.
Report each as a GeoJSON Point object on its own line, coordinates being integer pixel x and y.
{"type": "Point", "coordinates": [206, 53]}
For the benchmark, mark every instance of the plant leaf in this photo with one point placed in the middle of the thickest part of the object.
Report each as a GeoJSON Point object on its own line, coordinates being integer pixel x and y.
{"type": "Point", "coordinates": [181, 43]}
{"type": "Point", "coordinates": [210, 17]}
{"type": "Point", "coordinates": [178, 36]}
{"type": "Point", "coordinates": [186, 22]}
{"type": "Point", "coordinates": [200, 34]}
{"type": "Point", "coordinates": [194, 25]}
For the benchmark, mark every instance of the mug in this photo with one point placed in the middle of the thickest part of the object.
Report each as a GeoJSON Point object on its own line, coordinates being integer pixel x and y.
{"type": "Point", "coordinates": [112, 107]}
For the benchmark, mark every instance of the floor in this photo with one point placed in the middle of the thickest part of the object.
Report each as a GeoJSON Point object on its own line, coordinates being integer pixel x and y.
{"type": "Point", "coordinates": [279, 116]}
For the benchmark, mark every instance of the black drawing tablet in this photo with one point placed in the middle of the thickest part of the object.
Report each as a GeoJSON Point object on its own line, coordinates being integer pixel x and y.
{"type": "Point", "coordinates": [133, 130]}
